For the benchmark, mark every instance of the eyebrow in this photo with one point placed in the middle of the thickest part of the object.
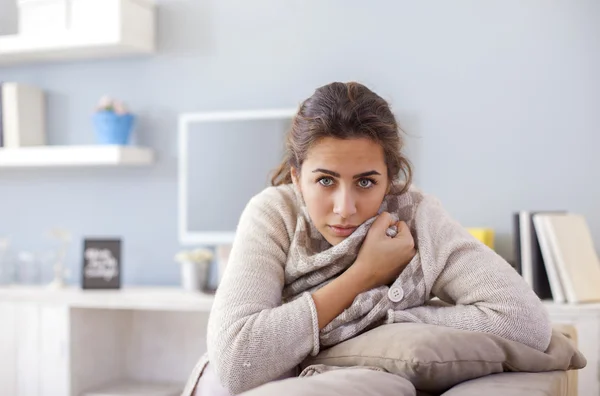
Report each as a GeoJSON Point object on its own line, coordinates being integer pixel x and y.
{"type": "Point", "coordinates": [335, 174]}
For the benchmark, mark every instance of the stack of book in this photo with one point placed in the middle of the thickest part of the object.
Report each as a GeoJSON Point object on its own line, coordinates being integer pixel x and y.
{"type": "Point", "coordinates": [555, 254]}
{"type": "Point", "coordinates": [22, 115]}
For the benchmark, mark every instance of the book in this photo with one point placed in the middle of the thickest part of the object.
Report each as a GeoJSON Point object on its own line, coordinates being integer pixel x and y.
{"type": "Point", "coordinates": [517, 243]}
{"type": "Point", "coordinates": [529, 260]}
{"type": "Point", "coordinates": [23, 115]}
{"type": "Point", "coordinates": [556, 286]}
{"type": "Point", "coordinates": [575, 257]}
{"type": "Point", "coordinates": [1, 120]}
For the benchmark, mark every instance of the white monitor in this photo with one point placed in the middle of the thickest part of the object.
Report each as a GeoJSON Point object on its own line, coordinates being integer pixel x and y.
{"type": "Point", "coordinates": [225, 158]}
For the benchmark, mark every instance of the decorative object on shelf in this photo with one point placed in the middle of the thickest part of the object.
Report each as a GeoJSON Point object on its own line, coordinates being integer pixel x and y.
{"type": "Point", "coordinates": [7, 272]}
{"type": "Point", "coordinates": [101, 264]}
{"type": "Point", "coordinates": [113, 122]}
{"type": "Point", "coordinates": [28, 268]}
{"type": "Point", "coordinates": [484, 235]}
{"type": "Point", "coordinates": [194, 268]}
{"type": "Point", "coordinates": [59, 270]}
{"type": "Point", "coordinates": [22, 115]}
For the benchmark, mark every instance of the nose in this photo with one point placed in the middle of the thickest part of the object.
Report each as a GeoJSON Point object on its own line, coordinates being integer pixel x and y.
{"type": "Point", "coordinates": [345, 204]}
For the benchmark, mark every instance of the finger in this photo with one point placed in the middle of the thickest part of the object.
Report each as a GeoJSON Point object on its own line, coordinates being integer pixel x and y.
{"type": "Point", "coordinates": [383, 221]}
{"type": "Point", "coordinates": [403, 228]}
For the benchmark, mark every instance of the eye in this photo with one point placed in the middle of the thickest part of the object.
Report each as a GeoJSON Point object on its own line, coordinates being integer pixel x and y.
{"type": "Point", "coordinates": [366, 183]}
{"type": "Point", "coordinates": [326, 181]}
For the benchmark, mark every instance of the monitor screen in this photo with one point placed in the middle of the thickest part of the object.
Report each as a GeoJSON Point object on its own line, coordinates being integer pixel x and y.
{"type": "Point", "coordinates": [228, 163]}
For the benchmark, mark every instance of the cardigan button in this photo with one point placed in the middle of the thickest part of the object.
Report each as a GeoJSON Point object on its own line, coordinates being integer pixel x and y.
{"type": "Point", "coordinates": [396, 294]}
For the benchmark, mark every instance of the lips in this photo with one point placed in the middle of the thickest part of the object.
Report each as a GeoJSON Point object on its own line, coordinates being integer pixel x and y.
{"type": "Point", "coordinates": [342, 231]}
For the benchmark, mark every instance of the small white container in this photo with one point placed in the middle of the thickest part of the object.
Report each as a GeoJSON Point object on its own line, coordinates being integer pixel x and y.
{"type": "Point", "coordinates": [194, 276]}
{"type": "Point", "coordinates": [43, 16]}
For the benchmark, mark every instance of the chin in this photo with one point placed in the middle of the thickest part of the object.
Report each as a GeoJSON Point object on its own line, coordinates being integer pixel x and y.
{"type": "Point", "coordinates": [334, 239]}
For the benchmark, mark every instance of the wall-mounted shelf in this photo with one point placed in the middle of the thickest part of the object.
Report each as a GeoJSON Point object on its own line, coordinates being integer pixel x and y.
{"type": "Point", "coordinates": [17, 49]}
{"type": "Point", "coordinates": [116, 28]}
{"type": "Point", "coordinates": [75, 156]}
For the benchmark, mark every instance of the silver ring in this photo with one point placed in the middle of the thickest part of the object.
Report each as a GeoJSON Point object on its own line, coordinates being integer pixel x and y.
{"type": "Point", "coordinates": [392, 231]}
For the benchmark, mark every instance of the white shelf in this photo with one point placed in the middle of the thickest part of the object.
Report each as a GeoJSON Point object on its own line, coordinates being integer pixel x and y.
{"type": "Point", "coordinates": [67, 156]}
{"type": "Point", "coordinates": [114, 28]}
{"type": "Point", "coordinates": [18, 49]}
{"type": "Point", "coordinates": [133, 298]}
{"type": "Point", "coordinates": [137, 389]}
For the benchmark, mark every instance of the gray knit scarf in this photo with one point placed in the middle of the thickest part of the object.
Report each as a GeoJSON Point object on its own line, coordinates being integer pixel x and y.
{"type": "Point", "coordinates": [313, 262]}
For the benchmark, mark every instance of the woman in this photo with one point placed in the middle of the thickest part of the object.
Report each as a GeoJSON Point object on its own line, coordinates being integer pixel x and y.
{"type": "Point", "coordinates": [342, 233]}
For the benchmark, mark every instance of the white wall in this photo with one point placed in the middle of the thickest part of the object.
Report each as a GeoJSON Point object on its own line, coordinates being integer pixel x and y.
{"type": "Point", "coordinates": [501, 99]}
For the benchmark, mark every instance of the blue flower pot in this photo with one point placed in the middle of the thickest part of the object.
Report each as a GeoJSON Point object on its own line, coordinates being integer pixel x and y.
{"type": "Point", "coordinates": [112, 128]}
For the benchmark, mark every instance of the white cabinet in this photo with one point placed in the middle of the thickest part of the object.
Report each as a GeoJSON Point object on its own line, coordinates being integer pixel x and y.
{"type": "Point", "coordinates": [586, 319]}
{"type": "Point", "coordinates": [52, 352]}
{"type": "Point", "coordinates": [8, 348]}
{"type": "Point", "coordinates": [34, 358]}
{"type": "Point", "coordinates": [74, 343]}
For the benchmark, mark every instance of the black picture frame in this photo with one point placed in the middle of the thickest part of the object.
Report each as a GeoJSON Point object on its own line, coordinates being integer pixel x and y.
{"type": "Point", "coordinates": [101, 267]}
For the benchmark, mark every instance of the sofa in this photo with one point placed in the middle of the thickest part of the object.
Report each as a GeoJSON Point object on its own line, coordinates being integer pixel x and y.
{"type": "Point", "coordinates": [353, 371]}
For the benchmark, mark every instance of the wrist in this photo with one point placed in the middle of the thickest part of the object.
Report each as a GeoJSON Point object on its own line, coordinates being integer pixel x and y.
{"type": "Point", "coordinates": [359, 279]}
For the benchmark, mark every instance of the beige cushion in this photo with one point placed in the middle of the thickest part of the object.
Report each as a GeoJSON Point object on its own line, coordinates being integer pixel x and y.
{"type": "Point", "coordinates": [435, 358]}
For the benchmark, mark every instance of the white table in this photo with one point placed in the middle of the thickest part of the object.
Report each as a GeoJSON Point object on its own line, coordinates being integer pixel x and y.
{"type": "Point", "coordinates": [71, 342]}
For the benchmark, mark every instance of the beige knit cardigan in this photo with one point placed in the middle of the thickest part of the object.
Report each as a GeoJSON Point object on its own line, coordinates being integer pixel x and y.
{"type": "Point", "coordinates": [256, 336]}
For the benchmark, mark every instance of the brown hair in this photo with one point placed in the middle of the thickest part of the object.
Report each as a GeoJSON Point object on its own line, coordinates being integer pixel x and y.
{"type": "Point", "coordinates": [344, 111]}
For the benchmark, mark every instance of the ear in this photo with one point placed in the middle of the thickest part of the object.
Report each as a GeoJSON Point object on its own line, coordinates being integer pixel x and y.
{"type": "Point", "coordinates": [295, 177]}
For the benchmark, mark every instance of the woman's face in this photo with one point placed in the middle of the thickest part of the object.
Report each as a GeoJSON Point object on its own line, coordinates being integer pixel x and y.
{"type": "Point", "coordinates": [343, 183]}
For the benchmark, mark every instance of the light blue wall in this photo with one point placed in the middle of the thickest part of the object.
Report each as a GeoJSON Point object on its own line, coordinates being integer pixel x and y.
{"type": "Point", "coordinates": [501, 98]}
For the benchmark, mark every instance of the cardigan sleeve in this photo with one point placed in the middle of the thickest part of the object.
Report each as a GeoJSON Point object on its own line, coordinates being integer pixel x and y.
{"type": "Point", "coordinates": [484, 292]}
{"type": "Point", "coordinates": [252, 337]}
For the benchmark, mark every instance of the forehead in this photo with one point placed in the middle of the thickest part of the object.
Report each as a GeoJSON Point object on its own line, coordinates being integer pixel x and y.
{"type": "Point", "coordinates": [347, 154]}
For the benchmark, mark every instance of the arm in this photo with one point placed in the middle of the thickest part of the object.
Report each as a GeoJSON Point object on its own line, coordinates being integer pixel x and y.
{"type": "Point", "coordinates": [252, 338]}
{"type": "Point", "coordinates": [486, 293]}
{"type": "Point", "coordinates": [332, 299]}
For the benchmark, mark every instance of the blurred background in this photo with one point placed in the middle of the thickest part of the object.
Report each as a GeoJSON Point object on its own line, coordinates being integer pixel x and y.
{"type": "Point", "coordinates": [499, 100]}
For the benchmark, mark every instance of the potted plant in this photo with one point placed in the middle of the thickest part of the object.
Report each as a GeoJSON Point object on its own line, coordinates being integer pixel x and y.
{"type": "Point", "coordinates": [113, 122]}
{"type": "Point", "coordinates": [194, 268]}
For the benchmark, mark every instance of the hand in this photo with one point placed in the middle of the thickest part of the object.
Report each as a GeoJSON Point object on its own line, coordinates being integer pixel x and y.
{"type": "Point", "coordinates": [381, 259]}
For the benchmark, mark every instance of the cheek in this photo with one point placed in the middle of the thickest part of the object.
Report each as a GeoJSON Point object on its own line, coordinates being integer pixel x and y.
{"type": "Point", "coordinates": [372, 205]}
{"type": "Point", "coordinates": [317, 201]}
